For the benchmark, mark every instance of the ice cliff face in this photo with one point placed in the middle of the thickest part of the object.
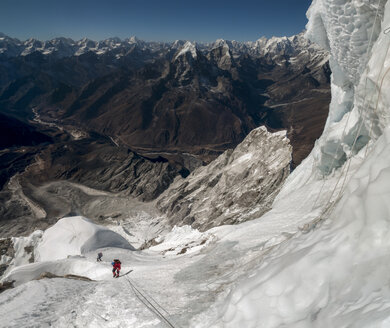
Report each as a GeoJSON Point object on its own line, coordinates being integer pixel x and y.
{"type": "Point", "coordinates": [348, 29]}
{"type": "Point", "coordinates": [239, 185]}
{"type": "Point", "coordinates": [336, 275]}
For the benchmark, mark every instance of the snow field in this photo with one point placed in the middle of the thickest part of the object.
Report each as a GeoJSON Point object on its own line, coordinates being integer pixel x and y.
{"type": "Point", "coordinates": [40, 303]}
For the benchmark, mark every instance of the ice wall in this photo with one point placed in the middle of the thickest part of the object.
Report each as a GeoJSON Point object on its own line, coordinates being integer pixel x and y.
{"type": "Point", "coordinates": [338, 274]}
{"type": "Point", "coordinates": [347, 29]}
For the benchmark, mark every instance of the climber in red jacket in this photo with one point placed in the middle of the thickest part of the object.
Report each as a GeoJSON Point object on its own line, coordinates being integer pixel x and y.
{"type": "Point", "coordinates": [116, 268]}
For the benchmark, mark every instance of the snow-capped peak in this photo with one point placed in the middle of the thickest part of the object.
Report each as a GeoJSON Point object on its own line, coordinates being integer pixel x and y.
{"type": "Point", "coordinates": [132, 40]}
{"type": "Point", "coordinates": [221, 43]}
{"type": "Point", "coordinates": [178, 44]}
{"type": "Point", "coordinates": [188, 47]}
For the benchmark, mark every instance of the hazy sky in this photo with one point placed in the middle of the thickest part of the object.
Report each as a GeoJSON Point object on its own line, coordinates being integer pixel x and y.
{"type": "Point", "coordinates": [167, 20]}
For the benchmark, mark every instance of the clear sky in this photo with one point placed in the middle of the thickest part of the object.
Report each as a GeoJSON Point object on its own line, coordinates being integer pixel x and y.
{"type": "Point", "coordinates": [165, 20]}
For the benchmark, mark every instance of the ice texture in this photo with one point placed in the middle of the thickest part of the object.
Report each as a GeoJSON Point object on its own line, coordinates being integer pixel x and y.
{"type": "Point", "coordinates": [347, 29]}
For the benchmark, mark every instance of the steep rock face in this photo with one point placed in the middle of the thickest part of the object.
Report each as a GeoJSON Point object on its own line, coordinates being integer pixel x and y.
{"type": "Point", "coordinates": [240, 183]}
{"type": "Point", "coordinates": [222, 55]}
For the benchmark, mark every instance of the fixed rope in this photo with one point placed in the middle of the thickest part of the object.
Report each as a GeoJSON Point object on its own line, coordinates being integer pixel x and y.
{"type": "Point", "coordinates": [386, 32]}
{"type": "Point", "coordinates": [149, 304]}
{"type": "Point", "coordinates": [151, 298]}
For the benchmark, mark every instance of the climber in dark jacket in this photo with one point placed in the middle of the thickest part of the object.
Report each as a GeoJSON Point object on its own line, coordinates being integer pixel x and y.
{"type": "Point", "coordinates": [99, 257]}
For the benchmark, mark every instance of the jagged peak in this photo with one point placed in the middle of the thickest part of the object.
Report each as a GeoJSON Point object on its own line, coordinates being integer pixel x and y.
{"type": "Point", "coordinates": [178, 44]}
{"type": "Point", "coordinates": [32, 42]}
{"type": "Point", "coordinates": [115, 39]}
{"type": "Point", "coordinates": [9, 39]}
{"type": "Point", "coordinates": [62, 39]}
{"type": "Point", "coordinates": [132, 39]}
{"type": "Point", "coordinates": [188, 47]}
{"type": "Point", "coordinates": [222, 43]}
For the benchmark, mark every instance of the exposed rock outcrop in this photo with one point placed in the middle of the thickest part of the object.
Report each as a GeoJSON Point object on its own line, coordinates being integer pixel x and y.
{"type": "Point", "coordinates": [239, 185]}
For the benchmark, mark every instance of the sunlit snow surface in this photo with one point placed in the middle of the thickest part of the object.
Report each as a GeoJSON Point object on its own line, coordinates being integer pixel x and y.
{"type": "Point", "coordinates": [264, 272]}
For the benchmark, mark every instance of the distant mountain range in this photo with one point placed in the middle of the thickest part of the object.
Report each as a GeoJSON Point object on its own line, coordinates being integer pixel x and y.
{"type": "Point", "coordinates": [170, 98]}
{"type": "Point", "coordinates": [66, 47]}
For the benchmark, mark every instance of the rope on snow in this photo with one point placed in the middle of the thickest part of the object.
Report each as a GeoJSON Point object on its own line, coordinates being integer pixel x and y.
{"type": "Point", "coordinates": [149, 304]}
